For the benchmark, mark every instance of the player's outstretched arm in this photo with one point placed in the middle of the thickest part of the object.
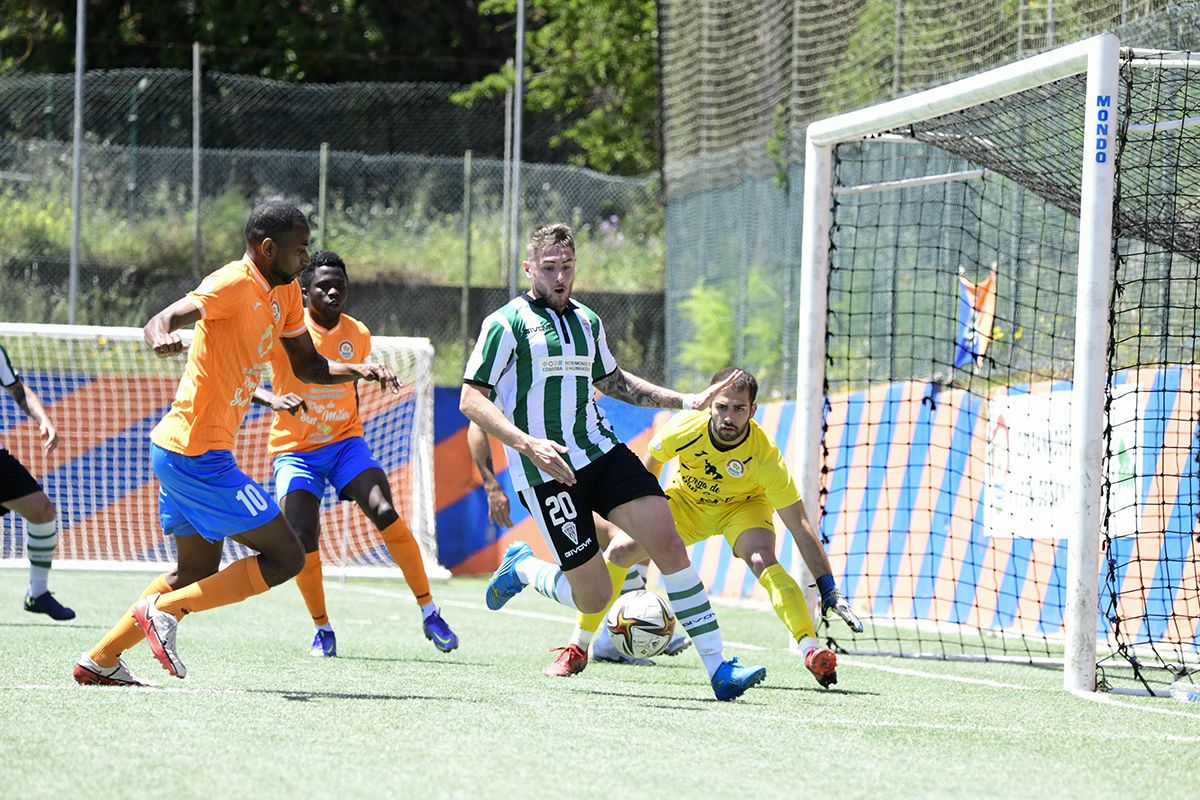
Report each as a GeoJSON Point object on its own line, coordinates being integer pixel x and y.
{"type": "Point", "coordinates": [312, 367]}
{"type": "Point", "coordinates": [544, 453]}
{"type": "Point", "coordinates": [160, 332]}
{"type": "Point", "coordinates": [796, 519]}
{"type": "Point", "coordinates": [480, 446]}
{"type": "Point", "coordinates": [620, 385]}
{"type": "Point", "coordinates": [31, 404]}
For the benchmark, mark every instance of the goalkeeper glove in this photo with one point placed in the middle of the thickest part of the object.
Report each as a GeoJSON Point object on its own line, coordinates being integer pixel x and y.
{"type": "Point", "coordinates": [832, 600]}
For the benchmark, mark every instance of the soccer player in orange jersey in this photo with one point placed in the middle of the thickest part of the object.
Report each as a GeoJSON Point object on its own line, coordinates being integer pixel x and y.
{"type": "Point", "coordinates": [241, 312]}
{"type": "Point", "coordinates": [317, 438]}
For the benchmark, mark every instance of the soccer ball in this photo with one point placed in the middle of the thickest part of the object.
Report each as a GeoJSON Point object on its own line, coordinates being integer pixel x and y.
{"type": "Point", "coordinates": [641, 624]}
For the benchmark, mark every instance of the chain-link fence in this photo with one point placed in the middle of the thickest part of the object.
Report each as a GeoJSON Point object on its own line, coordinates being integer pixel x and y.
{"type": "Point", "coordinates": [741, 82]}
{"type": "Point", "coordinates": [395, 177]}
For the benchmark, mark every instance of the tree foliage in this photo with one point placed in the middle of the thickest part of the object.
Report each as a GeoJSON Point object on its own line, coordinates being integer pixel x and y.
{"type": "Point", "coordinates": [313, 40]}
{"type": "Point", "coordinates": [592, 64]}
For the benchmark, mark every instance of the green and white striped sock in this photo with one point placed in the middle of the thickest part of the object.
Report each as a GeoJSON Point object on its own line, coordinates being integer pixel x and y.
{"type": "Point", "coordinates": [635, 579]}
{"type": "Point", "coordinates": [41, 538]}
{"type": "Point", "coordinates": [689, 601]}
{"type": "Point", "coordinates": [547, 580]}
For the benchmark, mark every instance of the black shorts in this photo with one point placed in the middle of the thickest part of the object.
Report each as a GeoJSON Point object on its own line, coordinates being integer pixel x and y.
{"type": "Point", "coordinates": [15, 480]}
{"type": "Point", "coordinates": [564, 513]}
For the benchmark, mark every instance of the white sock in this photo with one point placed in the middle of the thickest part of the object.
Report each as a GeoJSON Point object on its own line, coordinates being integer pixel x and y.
{"type": "Point", "coordinates": [39, 580]}
{"type": "Point", "coordinates": [546, 579]}
{"type": "Point", "coordinates": [581, 638]}
{"type": "Point", "coordinates": [428, 610]}
{"type": "Point", "coordinates": [807, 645]}
{"type": "Point", "coordinates": [40, 540]}
{"type": "Point", "coordinates": [635, 579]}
{"type": "Point", "coordinates": [325, 627]}
{"type": "Point", "coordinates": [689, 601]}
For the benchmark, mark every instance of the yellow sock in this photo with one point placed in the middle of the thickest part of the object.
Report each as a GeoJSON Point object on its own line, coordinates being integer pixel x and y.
{"type": "Point", "coordinates": [591, 622]}
{"type": "Point", "coordinates": [235, 583]}
{"type": "Point", "coordinates": [788, 600]}
{"type": "Point", "coordinates": [126, 633]}
{"type": "Point", "coordinates": [407, 555]}
{"type": "Point", "coordinates": [312, 589]}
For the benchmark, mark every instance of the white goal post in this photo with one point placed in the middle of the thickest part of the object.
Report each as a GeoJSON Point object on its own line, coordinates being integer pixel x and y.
{"type": "Point", "coordinates": [105, 390]}
{"type": "Point", "coordinates": [1098, 58]}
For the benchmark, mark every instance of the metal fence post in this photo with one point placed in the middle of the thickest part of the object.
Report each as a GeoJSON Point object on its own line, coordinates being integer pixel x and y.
{"type": "Point", "coordinates": [77, 162]}
{"type": "Point", "coordinates": [322, 183]}
{"type": "Point", "coordinates": [514, 276]}
{"type": "Point", "coordinates": [465, 306]}
{"type": "Point", "coordinates": [196, 158]}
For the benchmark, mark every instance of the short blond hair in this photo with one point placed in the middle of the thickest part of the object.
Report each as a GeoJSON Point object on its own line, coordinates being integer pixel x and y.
{"type": "Point", "coordinates": [547, 235]}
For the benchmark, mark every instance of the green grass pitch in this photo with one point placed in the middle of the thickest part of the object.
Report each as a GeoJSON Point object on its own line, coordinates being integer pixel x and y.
{"type": "Point", "coordinates": [393, 718]}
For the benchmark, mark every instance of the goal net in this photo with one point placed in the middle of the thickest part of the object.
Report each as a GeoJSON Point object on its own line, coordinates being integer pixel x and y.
{"type": "Point", "coordinates": [1005, 275]}
{"type": "Point", "coordinates": [105, 391]}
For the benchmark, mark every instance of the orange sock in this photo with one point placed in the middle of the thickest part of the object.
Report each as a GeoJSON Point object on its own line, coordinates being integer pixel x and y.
{"type": "Point", "coordinates": [405, 552]}
{"type": "Point", "coordinates": [312, 589]}
{"type": "Point", "coordinates": [126, 633]}
{"type": "Point", "coordinates": [235, 583]}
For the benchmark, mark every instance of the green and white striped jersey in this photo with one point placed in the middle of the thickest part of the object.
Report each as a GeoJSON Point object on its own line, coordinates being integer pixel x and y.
{"type": "Point", "coordinates": [8, 373]}
{"type": "Point", "coordinates": [541, 366]}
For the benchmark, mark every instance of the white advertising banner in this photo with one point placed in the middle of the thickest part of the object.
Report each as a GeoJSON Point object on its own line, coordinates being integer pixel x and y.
{"type": "Point", "coordinates": [1029, 472]}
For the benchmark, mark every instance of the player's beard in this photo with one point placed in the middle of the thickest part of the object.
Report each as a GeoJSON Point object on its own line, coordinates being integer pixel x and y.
{"type": "Point", "coordinates": [729, 435]}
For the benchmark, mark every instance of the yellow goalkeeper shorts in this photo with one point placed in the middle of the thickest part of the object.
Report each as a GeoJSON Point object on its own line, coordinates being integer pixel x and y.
{"type": "Point", "coordinates": [696, 522]}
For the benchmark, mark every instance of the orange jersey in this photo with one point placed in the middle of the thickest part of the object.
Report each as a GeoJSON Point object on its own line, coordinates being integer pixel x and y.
{"type": "Point", "coordinates": [241, 319]}
{"type": "Point", "coordinates": [332, 413]}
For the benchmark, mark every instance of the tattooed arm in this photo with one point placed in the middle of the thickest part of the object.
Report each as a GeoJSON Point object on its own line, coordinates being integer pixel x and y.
{"type": "Point", "coordinates": [620, 385]}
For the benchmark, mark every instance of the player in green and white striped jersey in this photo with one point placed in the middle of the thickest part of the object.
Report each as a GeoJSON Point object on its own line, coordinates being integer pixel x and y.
{"type": "Point", "coordinates": [20, 492]}
{"type": "Point", "coordinates": [566, 462]}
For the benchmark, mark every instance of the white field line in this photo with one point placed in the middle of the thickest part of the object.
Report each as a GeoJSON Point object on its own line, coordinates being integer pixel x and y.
{"type": "Point", "coordinates": [1104, 699]}
{"type": "Point", "coordinates": [1093, 697]}
{"type": "Point", "coordinates": [510, 611]}
{"type": "Point", "coordinates": [859, 663]}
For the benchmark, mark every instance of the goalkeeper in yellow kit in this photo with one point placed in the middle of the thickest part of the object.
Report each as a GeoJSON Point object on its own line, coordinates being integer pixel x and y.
{"type": "Point", "coordinates": [731, 480]}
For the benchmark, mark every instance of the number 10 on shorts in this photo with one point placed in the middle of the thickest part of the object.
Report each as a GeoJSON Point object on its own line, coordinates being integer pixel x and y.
{"type": "Point", "coordinates": [252, 498]}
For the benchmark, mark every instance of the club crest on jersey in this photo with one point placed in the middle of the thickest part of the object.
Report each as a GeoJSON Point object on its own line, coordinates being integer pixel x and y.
{"type": "Point", "coordinates": [571, 532]}
{"type": "Point", "coordinates": [734, 468]}
{"type": "Point", "coordinates": [346, 350]}
{"type": "Point", "coordinates": [275, 310]}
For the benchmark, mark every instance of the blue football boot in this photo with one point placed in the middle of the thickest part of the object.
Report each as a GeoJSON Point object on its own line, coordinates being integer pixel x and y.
{"type": "Point", "coordinates": [438, 632]}
{"type": "Point", "coordinates": [45, 603]}
{"type": "Point", "coordinates": [731, 679]}
{"type": "Point", "coordinates": [505, 583]}
{"type": "Point", "coordinates": [324, 644]}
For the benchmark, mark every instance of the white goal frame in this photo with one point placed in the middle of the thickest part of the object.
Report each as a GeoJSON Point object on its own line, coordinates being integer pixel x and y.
{"type": "Point", "coordinates": [422, 517]}
{"type": "Point", "coordinates": [1098, 58]}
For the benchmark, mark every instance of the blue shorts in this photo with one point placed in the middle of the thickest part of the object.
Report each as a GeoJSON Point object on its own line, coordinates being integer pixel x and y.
{"type": "Point", "coordinates": [208, 495]}
{"type": "Point", "coordinates": [337, 463]}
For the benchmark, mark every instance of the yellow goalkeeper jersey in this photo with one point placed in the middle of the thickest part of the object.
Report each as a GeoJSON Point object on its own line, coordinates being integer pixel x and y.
{"type": "Point", "coordinates": [709, 475]}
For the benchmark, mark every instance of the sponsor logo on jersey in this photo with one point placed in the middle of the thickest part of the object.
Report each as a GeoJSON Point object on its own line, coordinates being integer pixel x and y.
{"type": "Point", "coordinates": [346, 350]}
{"type": "Point", "coordinates": [734, 468]}
{"type": "Point", "coordinates": [551, 366]}
{"type": "Point", "coordinates": [711, 471]}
